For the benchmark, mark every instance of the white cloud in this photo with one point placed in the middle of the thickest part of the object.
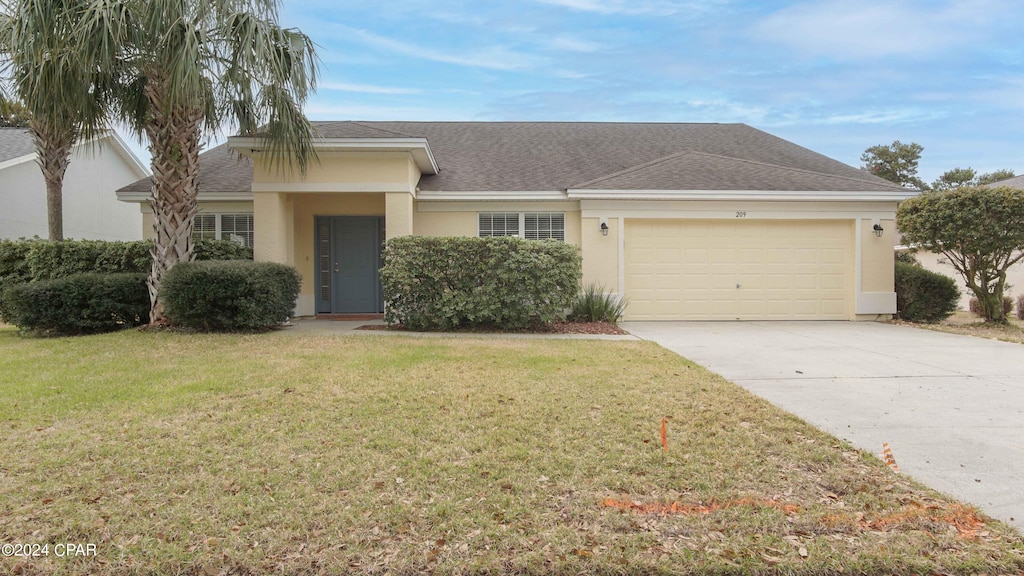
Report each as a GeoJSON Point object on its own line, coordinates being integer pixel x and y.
{"type": "Point", "coordinates": [574, 44]}
{"type": "Point", "coordinates": [490, 57]}
{"type": "Point", "coordinates": [628, 7]}
{"type": "Point", "coordinates": [366, 88]}
{"type": "Point", "coordinates": [878, 28]}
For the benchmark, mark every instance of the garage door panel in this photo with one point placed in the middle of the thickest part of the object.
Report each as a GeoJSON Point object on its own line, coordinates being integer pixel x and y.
{"type": "Point", "coordinates": [690, 269]}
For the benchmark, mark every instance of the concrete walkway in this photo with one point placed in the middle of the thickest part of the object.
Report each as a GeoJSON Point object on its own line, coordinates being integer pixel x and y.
{"type": "Point", "coordinates": [951, 407]}
{"type": "Point", "coordinates": [316, 327]}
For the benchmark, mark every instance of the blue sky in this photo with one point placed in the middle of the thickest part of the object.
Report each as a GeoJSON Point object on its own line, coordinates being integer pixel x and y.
{"type": "Point", "coordinates": [835, 76]}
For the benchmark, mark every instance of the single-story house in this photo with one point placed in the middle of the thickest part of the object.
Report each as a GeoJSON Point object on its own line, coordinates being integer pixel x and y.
{"type": "Point", "coordinates": [90, 211]}
{"type": "Point", "coordinates": [688, 221]}
{"type": "Point", "coordinates": [939, 263]}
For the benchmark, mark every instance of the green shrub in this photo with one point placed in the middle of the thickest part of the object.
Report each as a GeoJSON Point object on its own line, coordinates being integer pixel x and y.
{"type": "Point", "coordinates": [78, 304]}
{"type": "Point", "coordinates": [975, 307]}
{"type": "Point", "coordinates": [595, 305]}
{"type": "Point", "coordinates": [508, 283]}
{"type": "Point", "coordinates": [907, 257]}
{"type": "Point", "coordinates": [230, 295]}
{"type": "Point", "coordinates": [220, 250]}
{"type": "Point", "coordinates": [924, 296]}
{"type": "Point", "coordinates": [48, 260]}
{"type": "Point", "coordinates": [1020, 307]}
{"type": "Point", "coordinates": [13, 267]}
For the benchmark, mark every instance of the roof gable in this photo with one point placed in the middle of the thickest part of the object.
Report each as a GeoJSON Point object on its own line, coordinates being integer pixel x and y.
{"type": "Point", "coordinates": [691, 170]}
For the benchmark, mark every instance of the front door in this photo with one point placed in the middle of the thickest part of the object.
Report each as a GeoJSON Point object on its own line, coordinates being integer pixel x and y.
{"type": "Point", "coordinates": [348, 264]}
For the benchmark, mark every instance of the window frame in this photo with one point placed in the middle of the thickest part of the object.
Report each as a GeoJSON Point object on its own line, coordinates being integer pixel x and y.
{"type": "Point", "coordinates": [218, 228]}
{"type": "Point", "coordinates": [522, 232]}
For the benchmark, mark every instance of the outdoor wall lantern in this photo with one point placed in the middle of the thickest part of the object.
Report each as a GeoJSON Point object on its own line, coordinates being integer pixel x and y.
{"type": "Point", "coordinates": [878, 230]}
{"type": "Point", "coordinates": [604, 228]}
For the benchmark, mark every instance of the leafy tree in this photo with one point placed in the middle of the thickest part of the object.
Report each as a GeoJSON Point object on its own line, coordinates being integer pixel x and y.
{"type": "Point", "coordinates": [959, 177]}
{"type": "Point", "coordinates": [12, 114]}
{"type": "Point", "coordinates": [979, 230]}
{"type": "Point", "coordinates": [896, 163]}
{"type": "Point", "coordinates": [60, 94]}
{"type": "Point", "coordinates": [956, 178]}
{"type": "Point", "coordinates": [189, 68]}
{"type": "Point", "coordinates": [997, 176]}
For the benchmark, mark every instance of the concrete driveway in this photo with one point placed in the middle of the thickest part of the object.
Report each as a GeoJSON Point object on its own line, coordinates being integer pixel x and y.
{"type": "Point", "coordinates": [951, 407]}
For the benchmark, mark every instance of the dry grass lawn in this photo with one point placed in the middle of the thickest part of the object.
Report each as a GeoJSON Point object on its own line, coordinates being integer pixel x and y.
{"type": "Point", "coordinates": [969, 324]}
{"type": "Point", "coordinates": [186, 454]}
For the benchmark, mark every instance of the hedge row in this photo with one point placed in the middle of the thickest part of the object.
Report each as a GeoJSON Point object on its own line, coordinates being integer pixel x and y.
{"type": "Point", "coordinates": [78, 304]}
{"type": "Point", "coordinates": [35, 259]}
{"type": "Point", "coordinates": [509, 283]}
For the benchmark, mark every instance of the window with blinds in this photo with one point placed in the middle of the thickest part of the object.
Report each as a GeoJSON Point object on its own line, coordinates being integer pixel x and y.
{"type": "Point", "coordinates": [204, 227]}
{"type": "Point", "coordinates": [528, 225]}
{"type": "Point", "coordinates": [499, 224]}
{"type": "Point", "coordinates": [544, 226]}
{"type": "Point", "coordinates": [236, 227]}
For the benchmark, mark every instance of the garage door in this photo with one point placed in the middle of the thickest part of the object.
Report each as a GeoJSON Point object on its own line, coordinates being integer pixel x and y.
{"type": "Point", "coordinates": [739, 270]}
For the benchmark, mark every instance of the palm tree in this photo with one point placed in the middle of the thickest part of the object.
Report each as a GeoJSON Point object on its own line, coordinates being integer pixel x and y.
{"type": "Point", "coordinates": [58, 92]}
{"type": "Point", "coordinates": [188, 68]}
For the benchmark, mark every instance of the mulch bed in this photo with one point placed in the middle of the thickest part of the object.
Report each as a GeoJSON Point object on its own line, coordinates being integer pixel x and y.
{"type": "Point", "coordinates": [553, 328]}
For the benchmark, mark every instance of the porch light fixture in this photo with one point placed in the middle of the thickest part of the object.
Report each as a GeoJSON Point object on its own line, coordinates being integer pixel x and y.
{"type": "Point", "coordinates": [878, 230]}
{"type": "Point", "coordinates": [604, 228]}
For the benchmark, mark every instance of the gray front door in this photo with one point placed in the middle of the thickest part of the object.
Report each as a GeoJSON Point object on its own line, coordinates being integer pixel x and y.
{"type": "Point", "coordinates": [348, 264]}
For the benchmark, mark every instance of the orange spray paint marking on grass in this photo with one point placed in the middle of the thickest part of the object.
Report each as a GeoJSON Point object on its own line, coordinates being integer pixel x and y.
{"type": "Point", "coordinates": [673, 508]}
{"type": "Point", "coordinates": [664, 435]}
{"type": "Point", "coordinates": [889, 459]}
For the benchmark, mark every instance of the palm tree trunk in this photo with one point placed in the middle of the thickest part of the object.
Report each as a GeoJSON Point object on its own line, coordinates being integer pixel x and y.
{"type": "Point", "coordinates": [174, 135]}
{"type": "Point", "coordinates": [53, 153]}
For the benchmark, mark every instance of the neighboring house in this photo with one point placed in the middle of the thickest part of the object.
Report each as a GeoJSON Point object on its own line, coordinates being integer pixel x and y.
{"type": "Point", "coordinates": [90, 210]}
{"type": "Point", "coordinates": [939, 263]}
{"type": "Point", "coordinates": [688, 221]}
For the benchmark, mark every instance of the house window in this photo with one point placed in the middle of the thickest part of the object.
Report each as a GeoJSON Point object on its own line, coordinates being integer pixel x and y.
{"type": "Point", "coordinates": [234, 227]}
{"type": "Point", "coordinates": [499, 224]}
{"type": "Point", "coordinates": [529, 225]}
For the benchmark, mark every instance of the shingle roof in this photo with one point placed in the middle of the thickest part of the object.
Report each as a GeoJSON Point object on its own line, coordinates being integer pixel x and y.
{"type": "Point", "coordinates": [551, 156]}
{"type": "Point", "coordinates": [699, 171]}
{"type": "Point", "coordinates": [15, 143]}
{"type": "Point", "coordinates": [221, 171]}
{"type": "Point", "coordinates": [1015, 182]}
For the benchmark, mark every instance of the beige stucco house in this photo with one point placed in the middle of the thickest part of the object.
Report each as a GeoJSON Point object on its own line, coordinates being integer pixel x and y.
{"type": "Point", "coordinates": [90, 211]}
{"type": "Point", "coordinates": [688, 221]}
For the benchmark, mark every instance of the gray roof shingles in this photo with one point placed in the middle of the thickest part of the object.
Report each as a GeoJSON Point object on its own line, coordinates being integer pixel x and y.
{"type": "Point", "coordinates": [1015, 182]}
{"type": "Point", "coordinates": [551, 156]}
{"type": "Point", "coordinates": [15, 143]}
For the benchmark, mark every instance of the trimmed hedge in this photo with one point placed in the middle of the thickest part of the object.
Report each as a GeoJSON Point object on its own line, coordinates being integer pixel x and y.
{"type": "Point", "coordinates": [36, 259]}
{"type": "Point", "coordinates": [924, 296]}
{"type": "Point", "coordinates": [229, 295]}
{"type": "Point", "coordinates": [47, 260]}
{"type": "Point", "coordinates": [508, 283]}
{"type": "Point", "coordinates": [78, 304]}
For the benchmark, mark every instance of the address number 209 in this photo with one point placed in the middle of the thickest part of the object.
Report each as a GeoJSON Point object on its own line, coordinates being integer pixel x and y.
{"type": "Point", "coordinates": [741, 214]}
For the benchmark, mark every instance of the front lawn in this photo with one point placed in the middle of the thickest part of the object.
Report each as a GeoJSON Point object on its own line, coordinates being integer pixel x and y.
{"type": "Point", "coordinates": [284, 454]}
{"type": "Point", "coordinates": [970, 324]}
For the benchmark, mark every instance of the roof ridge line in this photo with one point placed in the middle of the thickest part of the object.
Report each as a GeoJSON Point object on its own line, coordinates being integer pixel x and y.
{"type": "Point", "coordinates": [791, 169]}
{"type": "Point", "coordinates": [364, 124]}
{"type": "Point", "coordinates": [636, 168]}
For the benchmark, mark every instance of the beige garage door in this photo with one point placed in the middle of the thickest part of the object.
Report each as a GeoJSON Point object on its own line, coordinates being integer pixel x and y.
{"type": "Point", "coordinates": [739, 270]}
